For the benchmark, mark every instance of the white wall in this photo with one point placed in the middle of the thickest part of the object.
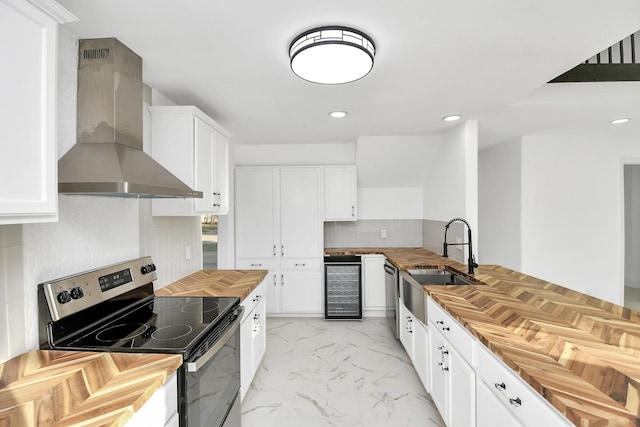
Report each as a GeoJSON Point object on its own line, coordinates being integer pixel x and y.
{"type": "Point", "coordinates": [451, 183]}
{"type": "Point", "coordinates": [391, 174]}
{"type": "Point", "coordinates": [572, 211]}
{"type": "Point", "coordinates": [499, 210]}
{"type": "Point", "coordinates": [632, 225]}
{"type": "Point", "coordinates": [295, 154]}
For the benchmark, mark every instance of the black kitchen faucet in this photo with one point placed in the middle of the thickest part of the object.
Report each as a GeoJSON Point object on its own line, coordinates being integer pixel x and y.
{"type": "Point", "coordinates": [471, 262]}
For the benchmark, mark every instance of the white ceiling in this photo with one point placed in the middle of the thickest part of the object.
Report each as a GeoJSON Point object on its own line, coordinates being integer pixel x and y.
{"type": "Point", "coordinates": [487, 60]}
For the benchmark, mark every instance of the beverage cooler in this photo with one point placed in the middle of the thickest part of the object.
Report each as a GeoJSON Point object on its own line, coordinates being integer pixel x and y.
{"type": "Point", "coordinates": [343, 287]}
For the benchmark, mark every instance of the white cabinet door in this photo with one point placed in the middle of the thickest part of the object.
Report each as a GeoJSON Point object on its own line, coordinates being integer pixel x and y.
{"type": "Point", "coordinates": [246, 355]}
{"type": "Point", "coordinates": [406, 329]}
{"type": "Point", "coordinates": [300, 213]}
{"type": "Point", "coordinates": [185, 141]}
{"type": "Point", "coordinates": [462, 391]}
{"type": "Point", "coordinates": [28, 164]}
{"type": "Point", "coordinates": [221, 175]}
{"type": "Point", "coordinates": [204, 145]}
{"type": "Point", "coordinates": [340, 193]}
{"type": "Point", "coordinates": [421, 352]}
{"type": "Point", "coordinates": [256, 213]}
{"type": "Point", "coordinates": [259, 320]}
{"type": "Point", "coordinates": [161, 408]}
{"type": "Point", "coordinates": [439, 389]}
{"type": "Point", "coordinates": [491, 412]}
{"type": "Point", "coordinates": [373, 279]}
{"type": "Point", "coordinates": [301, 292]}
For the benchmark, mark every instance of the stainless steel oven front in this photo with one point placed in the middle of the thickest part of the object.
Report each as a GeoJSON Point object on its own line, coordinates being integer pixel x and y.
{"type": "Point", "coordinates": [211, 380]}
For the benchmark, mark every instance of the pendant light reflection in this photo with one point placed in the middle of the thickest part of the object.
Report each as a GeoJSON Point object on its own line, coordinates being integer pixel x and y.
{"type": "Point", "coordinates": [332, 55]}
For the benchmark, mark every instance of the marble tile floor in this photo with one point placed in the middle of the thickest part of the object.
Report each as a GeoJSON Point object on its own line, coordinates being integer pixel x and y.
{"type": "Point", "coordinates": [336, 373]}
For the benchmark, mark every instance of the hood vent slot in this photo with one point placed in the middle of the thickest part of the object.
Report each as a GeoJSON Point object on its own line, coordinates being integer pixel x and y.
{"type": "Point", "coordinates": [102, 53]}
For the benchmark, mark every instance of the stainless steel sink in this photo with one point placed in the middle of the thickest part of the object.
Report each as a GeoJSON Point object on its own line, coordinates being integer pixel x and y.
{"type": "Point", "coordinates": [438, 277]}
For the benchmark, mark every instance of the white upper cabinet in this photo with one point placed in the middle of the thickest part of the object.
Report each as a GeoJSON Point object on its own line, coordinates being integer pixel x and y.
{"type": "Point", "coordinates": [340, 193]}
{"type": "Point", "coordinates": [196, 150]}
{"type": "Point", "coordinates": [28, 159]}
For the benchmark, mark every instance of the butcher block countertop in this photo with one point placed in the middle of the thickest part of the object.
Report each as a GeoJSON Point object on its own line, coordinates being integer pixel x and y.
{"type": "Point", "coordinates": [219, 283]}
{"type": "Point", "coordinates": [56, 388]}
{"type": "Point", "coordinates": [582, 354]}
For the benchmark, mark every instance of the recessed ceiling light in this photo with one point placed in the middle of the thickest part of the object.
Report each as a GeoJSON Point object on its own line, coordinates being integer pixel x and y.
{"type": "Point", "coordinates": [332, 55]}
{"type": "Point", "coordinates": [619, 121]}
{"type": "Point", "coordinates": [452, 118]}
{"type": "Point", "coordinates": [338, 114]}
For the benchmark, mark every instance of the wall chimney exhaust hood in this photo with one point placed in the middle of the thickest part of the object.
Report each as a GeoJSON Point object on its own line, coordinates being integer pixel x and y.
{"type": "Point", "coordinates": [107, 159]}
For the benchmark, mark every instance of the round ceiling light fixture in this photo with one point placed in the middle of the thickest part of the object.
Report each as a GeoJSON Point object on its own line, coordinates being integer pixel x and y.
{"type": "Point", "coordinates": [332, 55]}
{"type": "Point", "coordinates": [452, 118]}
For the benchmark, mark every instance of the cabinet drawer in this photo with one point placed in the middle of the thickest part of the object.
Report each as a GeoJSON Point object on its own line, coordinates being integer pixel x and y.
{"type": "Point", "coordinates": [257, 264]}
{"type": "Point", "coordinates": [517, 396]}
{"type": "Point", "coordinates": [254, 298]}
{"type": "Point", "coordinates": [301, 264]}
{"type": "Point", "coordinates": [457, 336]}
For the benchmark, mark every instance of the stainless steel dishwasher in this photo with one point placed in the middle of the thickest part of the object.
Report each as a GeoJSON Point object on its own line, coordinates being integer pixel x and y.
{"type": "Point", "coordinates": [343, 287]}
{"type": "Point", "coordinates": [391, 296]}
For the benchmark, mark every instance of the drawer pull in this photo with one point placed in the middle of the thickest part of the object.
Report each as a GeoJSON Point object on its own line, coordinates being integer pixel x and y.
{"type": "Point", "coordinates": [445, 328]}
{"type": "Point", "coordinates": [516, 402]}
{"type": "Point", "coordinates": [300, 264]}
{"type": "Point", "coordinates": [439, 322]}
{"type": "Point", "coordinates": [256, 265]}
{"type": "Point", "coordinates": [502, 386]}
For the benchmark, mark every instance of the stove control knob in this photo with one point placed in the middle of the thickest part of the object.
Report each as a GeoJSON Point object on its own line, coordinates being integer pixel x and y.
{"type": "Point", "coordinates": [64, 297]}
{"type": "Point", "coordinates": [77, 292]}
{"type": "Point", "coordinates": [146, 269]}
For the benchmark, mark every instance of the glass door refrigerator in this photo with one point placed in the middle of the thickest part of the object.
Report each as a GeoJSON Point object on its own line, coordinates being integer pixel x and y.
{"type": "Point", "coordinates": [343, 287]}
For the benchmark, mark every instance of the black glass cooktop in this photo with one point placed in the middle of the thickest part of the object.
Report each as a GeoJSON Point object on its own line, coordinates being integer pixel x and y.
{"type": "Point", "coordinates": [163, 324]}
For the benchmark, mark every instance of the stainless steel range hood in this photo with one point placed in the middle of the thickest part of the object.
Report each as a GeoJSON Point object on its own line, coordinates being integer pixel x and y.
{"type": "Point", "coordinates": [108, 159]}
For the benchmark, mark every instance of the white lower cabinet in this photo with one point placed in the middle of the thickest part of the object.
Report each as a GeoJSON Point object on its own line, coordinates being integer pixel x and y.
{"type": "Point", "coordinates": [161, 409]}
{"type": "Point", "coordinates": [373, 287]}
{"type": "Point", "coordinates": [406, 328]}
{"type": "Point", "coordinates": [511, 395]}
{"type": "Point", "coordinates": [472, 387]}
{"type": "Point", "coordinates": [453, 380]}
{"type": "Point", "coordinates": [415, 340]}
{"type": "Point", "coordinates": [491, 411]}
{"type": "Point", "coordinates": [253, 334]}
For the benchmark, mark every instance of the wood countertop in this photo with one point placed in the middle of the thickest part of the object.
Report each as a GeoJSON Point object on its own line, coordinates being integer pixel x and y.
{"type": "Point", "coordinates": [229, 283]}
{"type": "Point", "coordinates": [56, 388]}
{"type": "Point", "coordinates": [580, 353]}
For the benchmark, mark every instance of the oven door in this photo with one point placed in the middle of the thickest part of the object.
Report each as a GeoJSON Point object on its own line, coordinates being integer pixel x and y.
{"type": "Point", "coordinates": [212, 382]}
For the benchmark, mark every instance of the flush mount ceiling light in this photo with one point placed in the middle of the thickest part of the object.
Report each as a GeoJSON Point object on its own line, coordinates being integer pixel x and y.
{"type": "Point", "coordinates": [332, 55]}
{"type": "Point", "coordinates": [452, 118]}
{"type": "Point", "coordinates": [620, 121]}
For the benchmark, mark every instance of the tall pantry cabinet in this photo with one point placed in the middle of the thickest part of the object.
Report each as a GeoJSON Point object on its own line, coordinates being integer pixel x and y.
{"type": "Point", "coordinates": [279, 228]}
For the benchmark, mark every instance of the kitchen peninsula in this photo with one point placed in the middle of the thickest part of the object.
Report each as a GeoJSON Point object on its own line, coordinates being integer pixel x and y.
{"type": "Point", "coordinates": [578, 352]}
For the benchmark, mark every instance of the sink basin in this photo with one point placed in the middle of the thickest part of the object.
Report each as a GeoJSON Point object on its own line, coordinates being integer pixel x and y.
{"type": "Point", "coordinates": [430, 276]}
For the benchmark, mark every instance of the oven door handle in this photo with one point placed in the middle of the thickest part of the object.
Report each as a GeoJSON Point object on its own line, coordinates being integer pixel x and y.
{"type": "Point", "coordinates": [194, 366]}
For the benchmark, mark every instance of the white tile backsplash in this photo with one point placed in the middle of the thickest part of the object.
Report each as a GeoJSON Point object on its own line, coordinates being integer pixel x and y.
{"type": "Point", "coordinates": [367, 233]}
{"type": "Point", "coordinates": [12, 314]}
